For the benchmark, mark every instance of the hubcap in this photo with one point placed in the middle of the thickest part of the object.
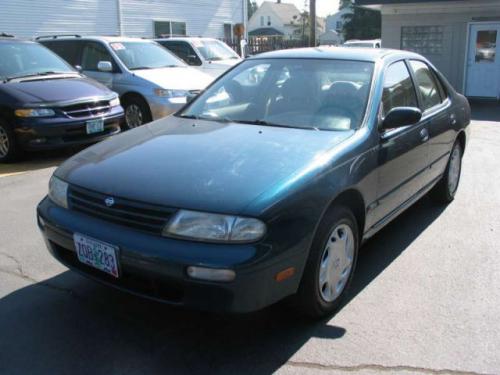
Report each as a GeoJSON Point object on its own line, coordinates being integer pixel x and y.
{"type": "Point", "coordinates": [133, 116]}
{"type": "Point", "coordinates": [454, 170]}
{"type": "Point", "coordinates": [336, 262]}
{"type": "Point", "coordinates": [4, 143]}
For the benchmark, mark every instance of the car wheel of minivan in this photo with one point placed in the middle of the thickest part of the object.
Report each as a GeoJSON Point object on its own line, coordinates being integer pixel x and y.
{"type": "Point", "coordinates": [136, 112]}
{"type": "Point", "coordinates": [8, 146]}
{"type": "Point", "coordinates": [446, 188]}
{"type": "Point", "coordinates": [331, 263]}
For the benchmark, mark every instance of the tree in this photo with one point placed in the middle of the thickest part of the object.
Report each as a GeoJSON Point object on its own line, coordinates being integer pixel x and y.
{"type": "Point", "coordinates": [252, 7]}
{"type": "Point", "coordinates": [362, 23]}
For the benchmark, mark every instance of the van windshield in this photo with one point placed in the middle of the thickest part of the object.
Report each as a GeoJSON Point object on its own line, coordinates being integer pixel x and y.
{"type": "Point", "coordinates": [145, 55]}
{"type": "Point", "coordinates": [21, 59]}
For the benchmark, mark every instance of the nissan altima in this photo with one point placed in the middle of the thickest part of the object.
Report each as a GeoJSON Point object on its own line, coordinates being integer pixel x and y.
{"type": "Point", "coordinates": [265, 185]}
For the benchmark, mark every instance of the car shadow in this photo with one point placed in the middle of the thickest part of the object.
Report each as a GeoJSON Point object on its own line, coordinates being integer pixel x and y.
{"type": "Point", "coordinates": [34, 161]}
{"type": "Point", "coordinates": [68, 324]}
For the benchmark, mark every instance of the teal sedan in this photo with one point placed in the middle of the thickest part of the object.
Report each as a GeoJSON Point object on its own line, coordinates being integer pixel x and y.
{"type": "Point", "coordinates": [265, 185]}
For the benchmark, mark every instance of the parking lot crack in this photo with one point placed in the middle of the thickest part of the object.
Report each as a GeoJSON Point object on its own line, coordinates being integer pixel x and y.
{"type": "Point", "coordinates": [380, 368]}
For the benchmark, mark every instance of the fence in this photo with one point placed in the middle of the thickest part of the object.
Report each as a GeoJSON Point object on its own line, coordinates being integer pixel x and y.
{"type": "Point", "coordinates": [260, 44]}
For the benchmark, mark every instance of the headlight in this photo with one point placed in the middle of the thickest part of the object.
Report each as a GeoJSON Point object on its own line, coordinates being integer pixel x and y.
{"type": "Point", "coordinates": [214, 227]}
{"type": "Point", "coordinates": [166, 93]}
{"type": "Point", "coordinates": [114, 102]}
{"type": "Point", "coordinates": [35, 112]}
{"type": "Point", "coordinates": [58, 191]}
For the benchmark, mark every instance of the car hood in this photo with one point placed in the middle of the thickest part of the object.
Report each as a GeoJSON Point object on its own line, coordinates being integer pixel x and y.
{"type": "Point", "coordinates": [200, 165]}
{"type": "Point", "coordinates": [181, 78]}
{"type": "Point", "coordinates": [58, 89]}
{"type": "Point", "coordinates": [223, 64]}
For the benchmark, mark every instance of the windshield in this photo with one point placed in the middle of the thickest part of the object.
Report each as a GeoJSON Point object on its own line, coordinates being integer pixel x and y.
{"type": "Point", "coordinates": [301, 93]}
{"type": "Point", "coordinates": [145, 55]}
{"type": "Point", "coordinates": [18, 59]}
{"type": "Point", "coordinates": [213, 50]}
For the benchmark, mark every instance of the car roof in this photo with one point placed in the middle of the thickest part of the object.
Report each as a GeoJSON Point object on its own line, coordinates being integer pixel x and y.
{"type": "Point", "coordinates": [96, 38]}
{"type": "Point", "coordinates": [182, 39]}
{"type": "Point", "coordinates": [337, 53]}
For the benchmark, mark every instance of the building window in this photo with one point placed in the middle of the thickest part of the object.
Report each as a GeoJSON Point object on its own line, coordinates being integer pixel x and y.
{"type": "Point", "coordinates": [228, 32]}
{"type": "Point", "coordinates": [426, 40]}
{"type": "Point", "coordinates": [268, 20]}
{"type": "Point", "coordinates": [169, 28]}
{"type": "Point", "coordinates": [261, 20]}
{"type": "Point", "coordinates": [339, 25]}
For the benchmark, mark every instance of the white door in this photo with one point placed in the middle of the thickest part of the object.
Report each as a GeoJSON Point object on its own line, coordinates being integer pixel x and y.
{"type": "Point", "coordinates": [483, 61]}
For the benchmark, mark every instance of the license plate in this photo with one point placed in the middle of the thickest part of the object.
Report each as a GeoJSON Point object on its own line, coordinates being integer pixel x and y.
{"type": "Point", "coordinates": [95, 126]}
{"type": "Point", "coordinates": [96, 254]}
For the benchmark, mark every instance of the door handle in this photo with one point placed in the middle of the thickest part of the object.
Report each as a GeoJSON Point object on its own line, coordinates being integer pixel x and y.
{"type": "Point", "coordinates": [424, 135]}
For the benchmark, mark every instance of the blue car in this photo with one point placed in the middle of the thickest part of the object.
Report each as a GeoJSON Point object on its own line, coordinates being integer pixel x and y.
{"type": "Point", "coordinates": [265, 185]}
{"type": "Point", "coordinates": [46, 104]}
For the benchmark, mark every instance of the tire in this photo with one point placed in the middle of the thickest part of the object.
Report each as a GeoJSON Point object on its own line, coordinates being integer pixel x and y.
{"type": "Point", "coordinates": [137, 112]}
{"type": "Point", "coordinates": [445, 190]}
{"type": "Point", "coordinates": [315, 296]}
{"type": "Point", "coordinates": [9, 150]}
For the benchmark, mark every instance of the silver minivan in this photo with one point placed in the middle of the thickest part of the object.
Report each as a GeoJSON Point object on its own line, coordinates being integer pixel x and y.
{"type": "Point", "coordinates": [151, 81]}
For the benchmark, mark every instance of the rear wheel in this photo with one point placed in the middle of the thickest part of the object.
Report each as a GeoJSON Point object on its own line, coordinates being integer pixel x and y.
{"type": "Point", "coordinates": [446, 188]}
{"type": "Point", "coordinates": [331, 263]}
{"type": "Point", "coordinates": [8, 146]}
{"type": "Point", "coordinates": [137, 112]}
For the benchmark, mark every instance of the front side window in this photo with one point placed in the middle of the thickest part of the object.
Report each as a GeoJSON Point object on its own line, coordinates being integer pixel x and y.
{"type": "Point", "coordinates": [184, 51]}
{"type": "Point", "coordinates": [399, 90]}
{"type": "Point", "coordinates": [426, 84]}
{"type": "Point", "coordinates": [92, 54]}
{"type": "Point", "coordinates": [145, 55]}
{"type": "Point", "coordinates": [299, 93]}
{"type": "Point", "coordinates": [19, 59]}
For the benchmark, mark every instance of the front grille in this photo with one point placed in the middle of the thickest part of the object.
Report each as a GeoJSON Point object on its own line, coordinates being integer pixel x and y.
{"type": "Point", "coordinates": [134, 214]}
{"type": "Point", "coordinates": [77, 133]}
{"type": "Point", "coordinates": [88, 109]}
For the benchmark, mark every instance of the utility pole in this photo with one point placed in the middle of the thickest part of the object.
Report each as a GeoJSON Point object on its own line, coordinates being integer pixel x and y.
{"type": "Point", "coordinates": [312, 23]}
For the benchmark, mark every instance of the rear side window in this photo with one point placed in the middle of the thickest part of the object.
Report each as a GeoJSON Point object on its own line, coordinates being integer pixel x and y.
{"type": "Point", "coordinates": [68, 50]}
{"type": "Point", "coordinates": [398, 88]}
{"type": "Point", "coordinates": [426, 84]}
{"type": "Point", "coordinates": [92, 54]}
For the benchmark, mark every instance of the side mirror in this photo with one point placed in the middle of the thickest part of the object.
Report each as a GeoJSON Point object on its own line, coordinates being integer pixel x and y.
{"type": "Point", "coordinates": [78, 68]}
{"type": "Point", "coordinates": [191, 96]}
{"type": "Point", "coordinates": [105, 66]}
{"type": "Point", "coordinates": [401, 116]}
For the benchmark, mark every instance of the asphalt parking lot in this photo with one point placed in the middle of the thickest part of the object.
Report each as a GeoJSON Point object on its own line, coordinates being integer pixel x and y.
{"type": "Point", "coordinates": [425, 299]}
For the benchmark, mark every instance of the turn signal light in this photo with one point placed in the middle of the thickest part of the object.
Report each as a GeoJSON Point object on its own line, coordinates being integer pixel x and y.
{"type": "Point", "coordinates": [285, 274]}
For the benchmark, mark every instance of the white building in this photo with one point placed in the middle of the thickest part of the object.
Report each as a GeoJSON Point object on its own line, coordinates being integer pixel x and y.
{"type": "Point", "coordinates": [141, 18]}
{"type": "Point", "coordinates": [275, 18]}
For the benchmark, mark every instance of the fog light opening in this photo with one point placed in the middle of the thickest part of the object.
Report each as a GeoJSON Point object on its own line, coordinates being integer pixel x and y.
{"type": "Point", "coordinates": [38, 141]}
{"type": "Point", "coordinates": [210, 274]}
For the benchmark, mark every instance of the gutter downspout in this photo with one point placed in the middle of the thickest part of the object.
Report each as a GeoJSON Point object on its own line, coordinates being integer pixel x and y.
{"type": "Point", "coordinates": [120, 17]}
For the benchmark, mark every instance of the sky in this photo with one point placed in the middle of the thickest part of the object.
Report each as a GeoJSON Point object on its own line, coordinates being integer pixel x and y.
{"type": "Point", "coordinates": [323, 7]}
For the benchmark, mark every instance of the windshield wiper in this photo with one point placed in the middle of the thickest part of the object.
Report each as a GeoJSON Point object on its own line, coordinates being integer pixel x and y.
{"type": "Point", "coordinates": [267, 123]}
{"type": "Point", "coordinates": [37, 74]}
{"type": "Point", "coordinates": [142, 68]}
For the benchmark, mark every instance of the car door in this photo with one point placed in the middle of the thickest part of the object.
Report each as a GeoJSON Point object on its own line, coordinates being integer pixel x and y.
{"type": "Point", "coordinates": [436, 109]}
{"type": "Point", "coordinates": [403, 152]}
{"type": "Point", "coordinates": [92, 54]}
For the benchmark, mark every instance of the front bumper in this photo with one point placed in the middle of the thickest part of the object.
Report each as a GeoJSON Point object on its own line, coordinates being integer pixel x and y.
{"type": "Point", "coordinates": [56, 132]}
{"type": "Point", "coordinates": [162, 107]}
{"type": "Point", "coordinates": [155, 267]}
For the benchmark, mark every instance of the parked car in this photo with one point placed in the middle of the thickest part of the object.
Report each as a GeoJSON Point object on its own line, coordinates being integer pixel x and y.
{"type": "Point", "coordinates": [262, 189]}
{"type": "Point", "coordinates": [44, 103]}
{"type": "Point", "coordinates": [151, 81]}
{"type": "Point", "coordinates": [209, 55]}
{"type": "Point", "coordinates": [375, 43]}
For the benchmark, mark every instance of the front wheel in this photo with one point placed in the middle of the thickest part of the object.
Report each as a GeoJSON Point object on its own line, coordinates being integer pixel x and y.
{"type": "Point", "coordinates": [446, 188]}
{"type": "Point", "coordinates": [331, 263]}
{"type": "Point", "coordinates": [8, 146]}
{"type": "Point", "coordinates": [137, 112]}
